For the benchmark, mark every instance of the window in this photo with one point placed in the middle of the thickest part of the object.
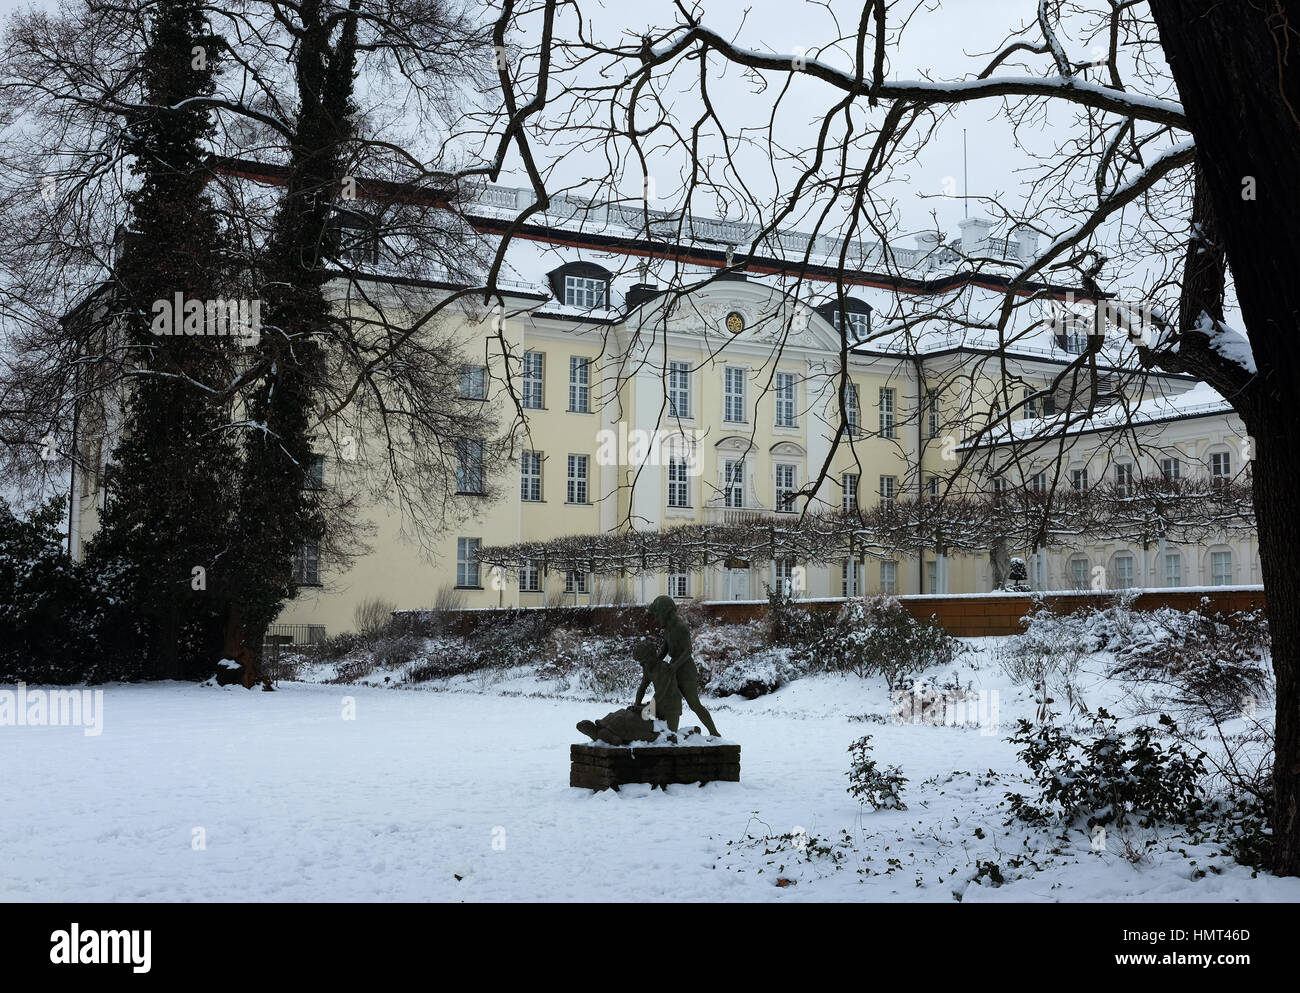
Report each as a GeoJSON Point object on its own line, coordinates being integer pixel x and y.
{"type": "Point", "coordinates": [1123, 571]}
{"type": "Point", "coordinates": [784, 489]}
{"type": "Point", "coordinates": [932, 489]}
{"type": "Point", "coordinates": [733, 395]}
{"type": "Point", "coordinates": [734, 482]}
{"type": "Point", "coordinates": [1173, 569]}
{"type": "Point", "coordinates": [849, 491]}
{"type": "Point", "coordinates": [849, 578]}
{"type": "Point", "coordinates": [1079, 578]}
{"type": "Point", "coordinates": [530, 476]}
{"type": "Point", "coordinates": [577, 479]}
{"type": "Point", "coordinates": [582, 291]}
{"type": "Point", "coordinates": [888, 489]}
{"type": "Point", "coordinates": [888, 577]}
{"type": "Point", "coordinates": [783, 570]}
{"type": "Point", "coordinates": [473, 382]}
{"type": "Point", "coordinates": [679, 389]}
{"type": "Point", "coordinates": [851, 414]}
{"type": "Point", "coordinates": [1171, 468]}
{"type": "Point", "coordinates": [932, 577]}
{"type": "Point", "coordinates": [1079, 480]}
{"type": "Point", "coordinates": [1000, 486]}
{"type": "Point", "coordinates": [469, 466]}
{"type": "Point", "coordinates": [467, 562]}
{"type": "Point", "coordinates": [1031, 404]}
{"type": "Point", "coordinates": [579, 385]}
{"type": "Point", "coordinates": [932, 413]}
{"type": "Point", "coordinates": [1049, 404]}
{"type": "Point", "coordinates": [315, 474]}
{"type": "Point", "coordinates": [1039, 483]}
{"type": "Point", "coordinates": [1124, 480]}
{"type": "Point", "coordinates": [532, 391]}
{"type": "Point", "coordinates": [357, 239]}
{"type": "Point", "coordinates": [678, 585]}
{"type": "Point", "coordinates": [575, 582]}
{"type": "Point", "coordinates": [530, 580]}
{"type": "Point", "coordinates": [886, 412]}
{"type": "Point", "coordinates": [859, 323]}
{"type": "Point", "coordinates": [785, 399]}
{"type": "Point", "coordinates": [1221, 568]}
{"type": "Point", "coordinates": [678, 487]}
{"type": "Point", "coordinates": [1220, 468]}
{"type": "Point", "coordinates": [306, 565]}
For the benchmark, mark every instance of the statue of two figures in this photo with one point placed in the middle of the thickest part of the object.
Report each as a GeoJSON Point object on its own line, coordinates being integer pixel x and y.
{"type": "Point", "coordinates": [667, 665]}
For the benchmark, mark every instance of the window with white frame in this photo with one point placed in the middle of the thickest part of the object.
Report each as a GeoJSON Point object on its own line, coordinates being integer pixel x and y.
{"type": "Point", "coordinates": [932, 413]}
{"type": "Point", "coordinates": [1039, 482]}
{"type": "Point", "coordinates": [733, 394]}
{"type": "Point", "coordinates": [1124, 479]}
{"type": "Point", "coordinates": [932, 489]}
{"type": "Point", "coordinates": [785, 486]}
{"type": "Point", "coordinates": [678, 585]}
{"type": "Point", "coordinates": [733, 482]}
{"type": "Point", "coordinates": [859, 323]}
{"type": "Point", "coordinates": [1221, 568]}
{"type": "Point", "coordinates": [852, 413]}
{"type": "Point", "coordinates": [849, 491]}
{"type": "Point", "coordinates": [575, 581]}
{"type": "Point", "coordinates": [585, 292]}
{"type": "Point", "coordinates": [888, 577]}
{"type": "Point", "coordinates": [531, 395]}
{"type": "Point", "coordinates": [1080, 578]}
{"type": "Point", "coordinates": [1000, 486]}
{"type": "Point", "coordinates": [783, 572]}
{"type": "Point", "coordinates": [849, 577]}
{"type": "Point", "coordinates": [785, 399]}
{"type": "Point", "coordinates": [1171, 468]}
{"type": "Point", "coordinates": [679, 494]}
{"type": "Point", "coordinates": [530, 476]}
{"type": "Point", "coordinates": [579, 384]}
{"type": "Point", "coordinates": [469, 466]}
{"type": "Point", "coordinates": [530, 577]}
{"type": "Point", "coordinates": [886, 412]}
{"type": "Point", "coordinates": [473, 382]}
{"type": "Point", "coordinates": [306, 565]}
{"type": "Point", "coordinates": [888, 489]}
{"type": "Point", "coordinates": [1173, 569]}
{"type": "Point", "coordinates": [1220, 468]}
{"type": "Point", "coordinates": [467, 568]}
{"type": "Point", "coordinates": [577, 479]}
{"type": "Point", "coordinates": [932, 577]}
{"type": "Point", "coordinates": [1079, 480]}
{"type": "Point", "coordinates": [1031, 404]}
{"type": "Point", "coordinates": [1123, 566]}
{"type": "Point", "coordinates": [679, 389]}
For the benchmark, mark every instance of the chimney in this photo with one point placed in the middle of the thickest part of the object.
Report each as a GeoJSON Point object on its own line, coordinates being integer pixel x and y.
{"type": "Point", "coordinates": [641, 293]}
{"type": "Point", "coordinates": [975, 236]}
{"type": "Point", "coordinates": [1026, 244]}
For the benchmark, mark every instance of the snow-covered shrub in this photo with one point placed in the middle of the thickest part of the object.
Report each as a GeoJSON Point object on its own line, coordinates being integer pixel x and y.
{"type": "Point", "coordinates": [719, 647]}
{"type": "Point", "coordinates": [871, 785]}
{"type": "Point", "coordinates": [877, 636]}
{"type": "Point", "coordinates": [787, 622]}
{"type": "Point", "coordinates": [1107, 779]}
{"type": "Point", "coordinates": [1046, 656]}
{"type": "Point", "coordinates": [593, 663]}
{"type": "Point", "coordinates": [756, 675]}
{"type": "Point", "coordinates": [1201, 665]}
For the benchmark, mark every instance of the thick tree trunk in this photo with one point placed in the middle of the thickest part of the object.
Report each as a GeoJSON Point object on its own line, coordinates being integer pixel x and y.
{"type": "Point", "coordinates": [1237, 66]}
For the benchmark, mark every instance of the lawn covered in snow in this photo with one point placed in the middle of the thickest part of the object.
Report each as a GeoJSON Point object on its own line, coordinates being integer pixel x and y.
{"type": "Point", "coordinates": [458, 791]}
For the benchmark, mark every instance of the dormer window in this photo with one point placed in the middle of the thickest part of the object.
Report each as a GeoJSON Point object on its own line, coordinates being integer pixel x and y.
{"type": "Point", "coordinates": [851, 318]}
{"type": "Point", "coordinates": [584, 285]}
{"type": "Point", "coordinates": [355, 238]}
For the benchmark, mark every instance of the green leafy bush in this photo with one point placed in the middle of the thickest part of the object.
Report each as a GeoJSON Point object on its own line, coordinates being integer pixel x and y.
{"type": "Point", "coordinates": [871, 785]}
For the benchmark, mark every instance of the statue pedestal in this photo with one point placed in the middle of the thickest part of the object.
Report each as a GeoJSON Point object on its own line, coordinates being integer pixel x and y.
{"type": "Point", "coordinates": [602, 767]}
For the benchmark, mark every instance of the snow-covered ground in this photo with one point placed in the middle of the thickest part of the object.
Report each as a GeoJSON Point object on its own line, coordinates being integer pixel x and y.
{"type": "Point", "coordinates": [459, 791]}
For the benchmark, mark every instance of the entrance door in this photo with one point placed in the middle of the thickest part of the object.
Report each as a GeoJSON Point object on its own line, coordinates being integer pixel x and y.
{"type": "Point", "coordinates": [738, 584]}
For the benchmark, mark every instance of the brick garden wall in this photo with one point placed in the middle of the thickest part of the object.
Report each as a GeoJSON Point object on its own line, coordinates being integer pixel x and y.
{"type": "Point", "coordinates": [969, 616]}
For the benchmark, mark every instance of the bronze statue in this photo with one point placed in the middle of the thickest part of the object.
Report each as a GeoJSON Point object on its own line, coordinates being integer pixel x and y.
{"type": "Point", "coordinates": [636, 723]}
{"type": "Point", "coordinates": [676, 678]}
